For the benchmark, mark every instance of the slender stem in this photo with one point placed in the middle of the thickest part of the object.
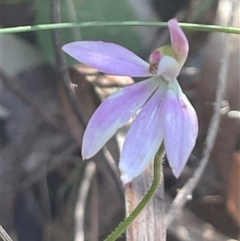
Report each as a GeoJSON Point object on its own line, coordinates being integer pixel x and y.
{"type": "Point", "coordinates": [50, 26]}
{"type": "Point", "coordinates": [152, 190]}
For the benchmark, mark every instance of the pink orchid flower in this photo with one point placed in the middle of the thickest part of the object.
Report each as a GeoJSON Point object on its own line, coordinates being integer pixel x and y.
{"type": "Point", "coordinates": [165, 112]}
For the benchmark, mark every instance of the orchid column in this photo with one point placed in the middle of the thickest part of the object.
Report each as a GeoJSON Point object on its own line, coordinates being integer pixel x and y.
{"type": "Point", "coordinates": [161, 112]}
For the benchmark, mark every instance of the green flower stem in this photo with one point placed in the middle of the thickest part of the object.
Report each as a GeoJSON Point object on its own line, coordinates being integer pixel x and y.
{"type": "Point", "coordinates": [50, 26]}
{"type": "Point", "coordinates": [152, 190]}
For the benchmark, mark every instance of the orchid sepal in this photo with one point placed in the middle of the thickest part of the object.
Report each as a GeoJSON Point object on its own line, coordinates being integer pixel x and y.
{"type": "Point", "coordinates": [108, 58]}
{"type": "Point", "coordinates": [181, 128]}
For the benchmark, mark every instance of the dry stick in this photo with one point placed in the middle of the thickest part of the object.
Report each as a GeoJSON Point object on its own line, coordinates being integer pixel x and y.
{"type": "Point", "coordinates": [63, 73]}
{"type": "Point", "coordinates": [4, 235]}
{"type": "Point", "coordinates": [94, 202]}
{"type": "Point", "coordinates": [114, 170]}
{"type": "Point", "coordinates": [187, 189]}
{"type": "Point", "coordinates": [12, 84]}
{"type": "Point", "coordinates": [81, 201]}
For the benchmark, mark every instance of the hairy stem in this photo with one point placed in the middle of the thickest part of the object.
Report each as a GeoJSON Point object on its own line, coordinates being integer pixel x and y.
{"type": "Point", "coordinates": [152, 190]}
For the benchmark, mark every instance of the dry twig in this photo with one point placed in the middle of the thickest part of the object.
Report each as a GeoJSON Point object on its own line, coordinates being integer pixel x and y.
{"type": "Point", "coordinates": [81, 201]}
{"type": "Point", "coordinates": [187, 189]}
{"type": "Point", "coordinates": [63, 73]}
{"type": "Point", "coordinates": [4, 235]}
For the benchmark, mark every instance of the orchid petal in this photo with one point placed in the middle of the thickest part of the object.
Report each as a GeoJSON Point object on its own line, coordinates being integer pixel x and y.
{"type": "Point", "coordinates": [108, 58]}
{"type": "Point", "coordinates": [144, 137]}
{"type": "Point", "coordinates": [181, 127]}
{"type": "Point", "coordinates": [168, 68]}
{"type": "Point", "coordinates": [179, 41]}
{"type": "Point", "coordinates": [113, 113]}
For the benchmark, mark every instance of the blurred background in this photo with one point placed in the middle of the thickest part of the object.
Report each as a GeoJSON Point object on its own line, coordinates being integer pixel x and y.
{"type": "Point", "coordinates": [47, 192]}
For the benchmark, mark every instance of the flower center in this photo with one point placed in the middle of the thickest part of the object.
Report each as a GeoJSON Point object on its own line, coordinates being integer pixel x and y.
{"type": "Point", "coordinates": [157, 56]}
